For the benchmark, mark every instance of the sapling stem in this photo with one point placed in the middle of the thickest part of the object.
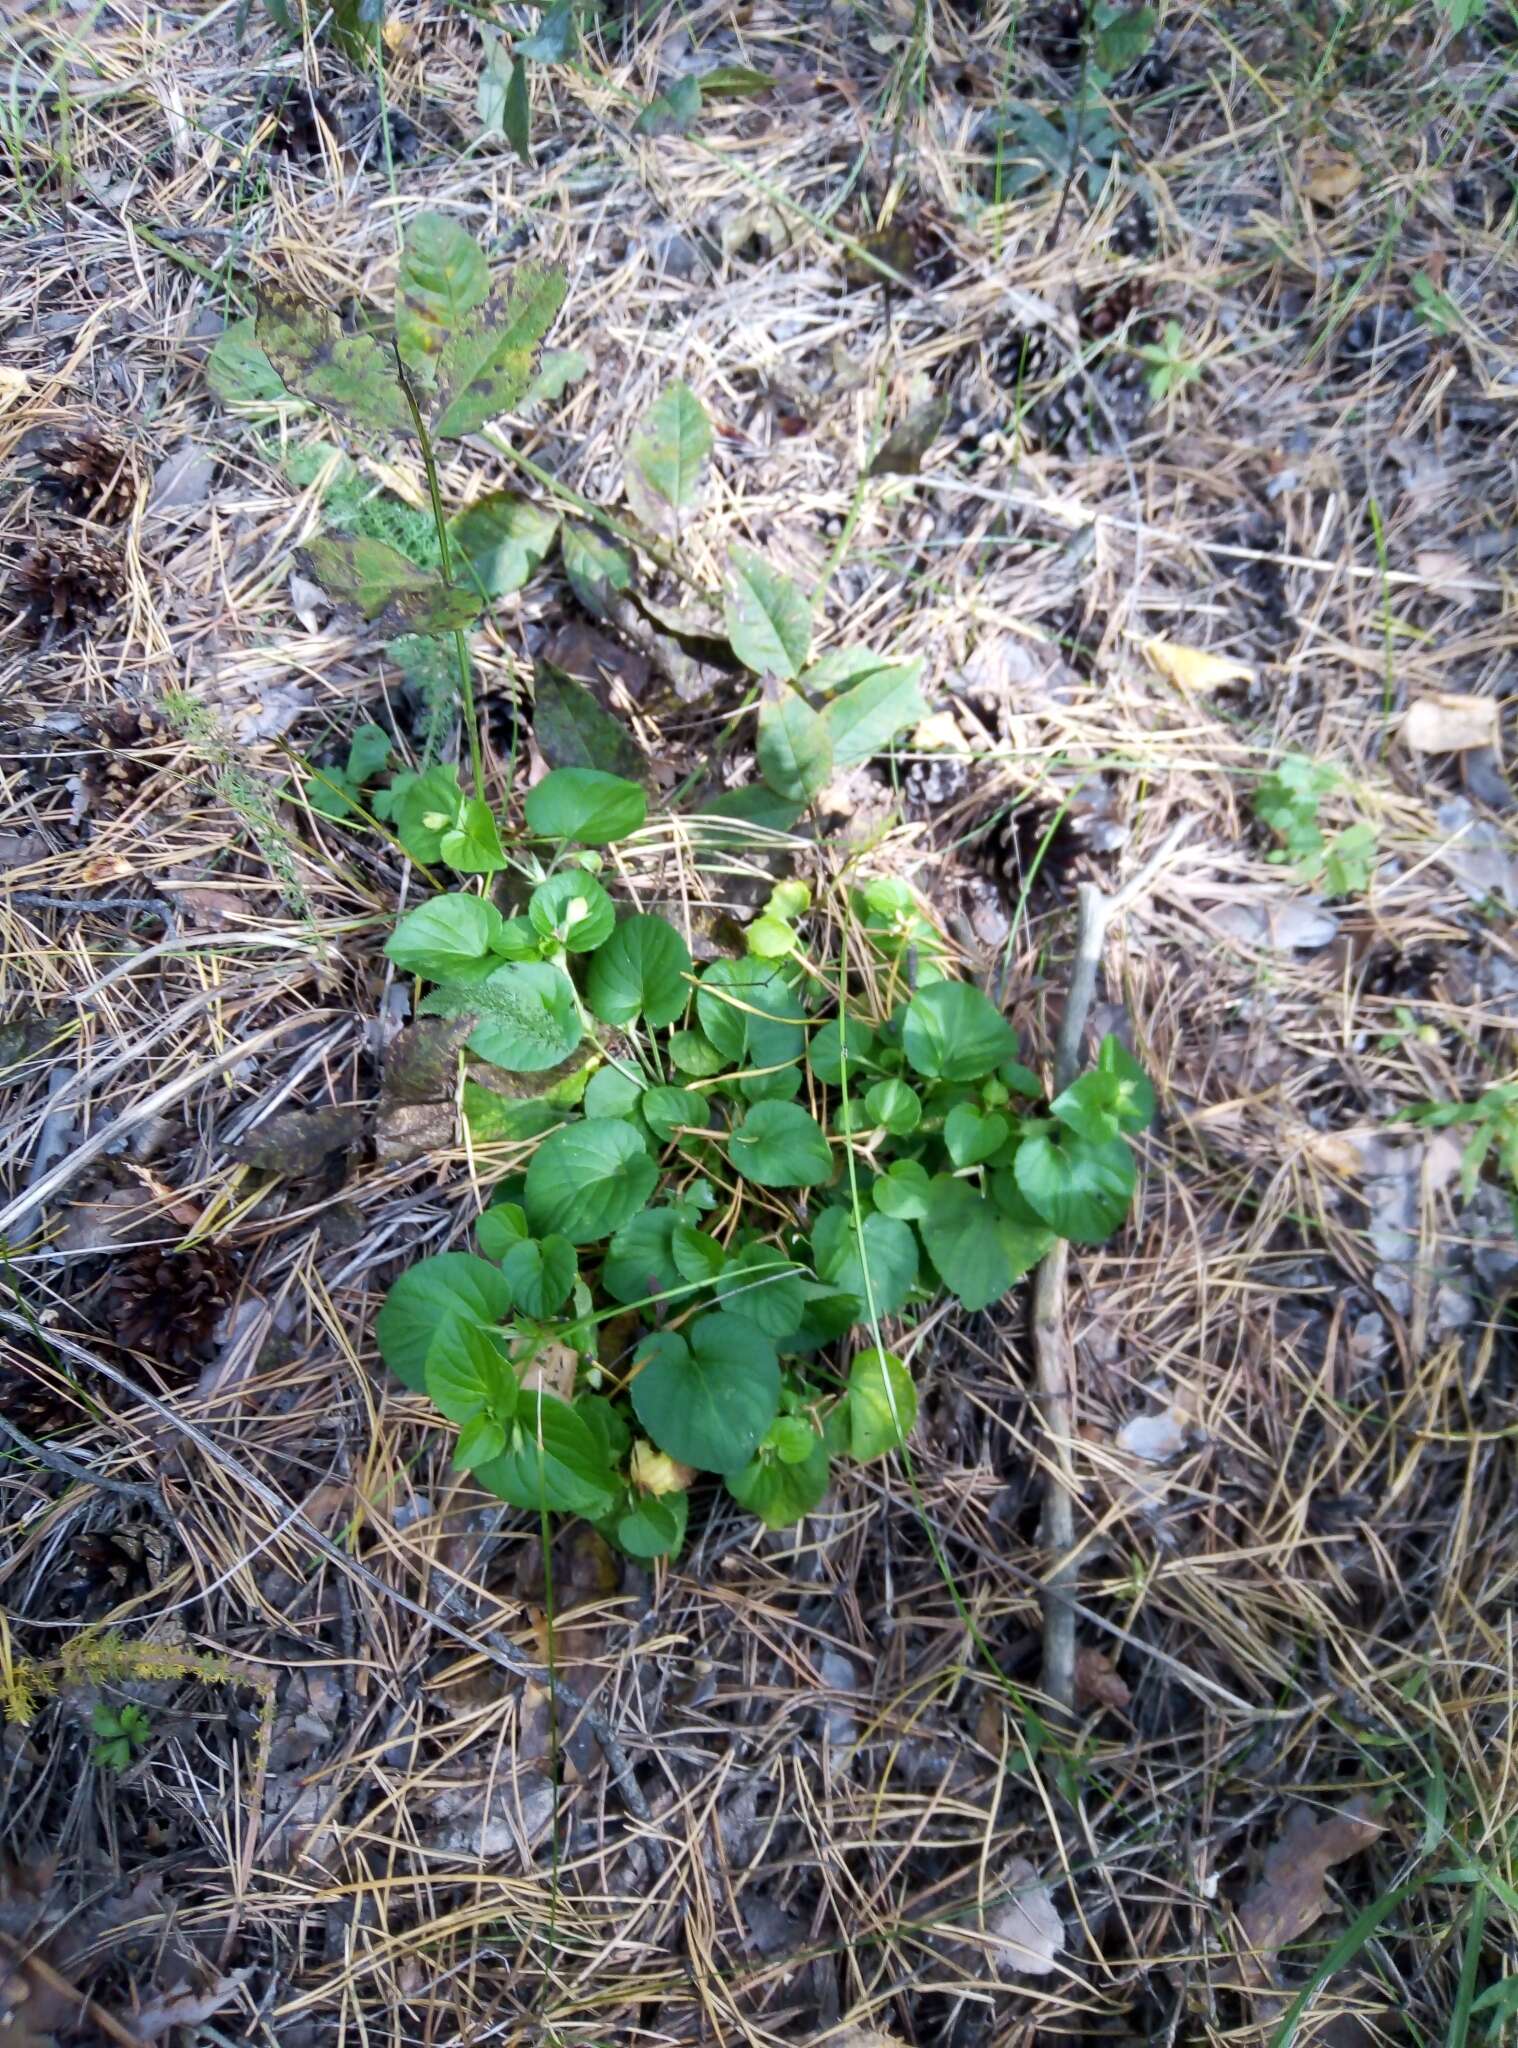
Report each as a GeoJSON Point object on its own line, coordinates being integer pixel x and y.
{"type": "Point", "coordinates": [445, 569]}
{"type": "Point", "coordinates": [1053, 1352]}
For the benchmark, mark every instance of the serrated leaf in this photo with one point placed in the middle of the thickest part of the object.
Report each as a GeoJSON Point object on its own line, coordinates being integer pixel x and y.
{"type": "Point", "coordinates": [769, 619]}
{"type": "Point", "coordinates": [485, 369]}
{"type": "Point", "coordinates": [863, 720]}
{"type": "Point", "coordinates": [559, 368]}
{"type": "Point", "coordinates": [500, 541]}
{"type": "Point", "coordinates": [573, 730]}
{"type": "Point", "coordinates": [795, 750]}
{"type": "Point", "coordinates": [385, 585]}
{"type": "Point", "coordinates": [352, 376]}
{"type": "Point", "coordinates": [527, 1019]}
{"type": "Point", "coordinates": [443, 277]}
{"type": "Point", "coordinates": [670, 449]}
{"type": "Point", "coordinates": [239, 372]}
{"type": "Point", "coordinates": [587, 1179]}
{"type": "Point", "coordinates": [1122, 37]}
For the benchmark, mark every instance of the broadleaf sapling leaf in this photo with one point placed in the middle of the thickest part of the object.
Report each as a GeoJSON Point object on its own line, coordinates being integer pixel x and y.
{"type": "Point", "coordinates": [769, 618]}
{"type": "Point", "coordinates": [554, 37]}
{"type": "Point", "coordinates": [386, 586]}
{"type": "Point", "coordinates": [863, 720]}
{"type": "Point", "coordinates": [486, 368]}
{"type": "Point", "coordinates": [979, 1252]}
{"type": "Point", "coordinates": [598, 571]}
{"type": "Point", "coordinates": [794, 749]}
{"type": "Point", "coordinates": [443, 277]}
{"type": "Point", "coordinates": [574, 731]}
{"type": "Point", "coordinates": [670, 448]}
{"type": "Point", "coordinates": [352, 376]}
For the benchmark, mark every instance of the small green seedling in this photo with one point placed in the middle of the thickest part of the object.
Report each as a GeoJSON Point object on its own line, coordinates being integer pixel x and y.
{"type": "Point", "coordinates": [122, 1733]}
{"type": "Point", "coordinates": [1288, 801]}
{"type": "Point", "coordinates": [1170, 367]}
{"type": "Point", "coordinates": [1494, 1120]}
{"type": "Point", "coordinates": [336, 791]}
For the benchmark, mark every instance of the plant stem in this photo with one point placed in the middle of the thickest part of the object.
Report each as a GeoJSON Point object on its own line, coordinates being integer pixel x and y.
{"type": "Point", "coordinates": [1053, 1352]}
{"type": "Point", "coordinates": [445, 565]}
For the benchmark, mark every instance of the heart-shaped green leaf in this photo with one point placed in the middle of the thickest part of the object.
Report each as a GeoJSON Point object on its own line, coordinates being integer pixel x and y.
{"type": "Point", "coordinates": [572, 908]}
{"type": "Point", "coordinates": [445, 935]}
{"type": "Point", "coordinates": [708, 1402]}
{"type": "Point", "coordinates": [541, 1274]}
{"type": "Point", "coordinates": [641, 971]}
{"type": "Point", "coordinates": [978, 1251]}
{"type": "Point", "coordinates": [586, 805]}
{"type": "Point", "coordinates": [874, 1257]}
{"type": "Point", "coordinates": [972, 1136]}
{"type": "Point", "coordinates": [449, 1287]}
{"type": "Point", "coordinates": [527, 1017]}
{"type": "Point", "coordinates": [953, 1032]}
{"type": "Point", "coordinates": [587, 1179]}
{"type": "Point", "coordinates": [781, 1145]}
{"type": "Point", "coordinates": [553, 1460]}
{"type": "Point", "coordinates": [1080, 1189]}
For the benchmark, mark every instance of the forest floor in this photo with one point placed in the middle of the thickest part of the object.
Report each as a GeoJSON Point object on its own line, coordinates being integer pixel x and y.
{"type": "Point", "coordinates": [1139, 582]}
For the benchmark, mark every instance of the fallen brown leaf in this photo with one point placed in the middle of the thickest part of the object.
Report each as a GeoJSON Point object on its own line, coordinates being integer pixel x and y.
{"type": "Point", "coordinates": [1098, 1681]}
{"type": "Point", "coordinates": [1329, 174]}
{"type": "Point", "coordinates": [1289, 1897]}
{"type": "Point", "coordinates": [1444, 723]}
{"type": "Point", "coordinates": [1193, 668]}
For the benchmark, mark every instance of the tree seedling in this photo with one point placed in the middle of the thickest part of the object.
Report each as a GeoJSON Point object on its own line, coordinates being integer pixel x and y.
{"type": "Point", "coordinates": [121, 1733]}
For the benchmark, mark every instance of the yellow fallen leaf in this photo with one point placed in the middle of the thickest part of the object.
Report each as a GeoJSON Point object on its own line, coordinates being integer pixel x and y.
{"type": "Point", "coordinates": [107, 867]}
{"type": "Point", "coordinates": [1444, 723]}
{"type": "Point", "coordinates": [940, 730]}
{"type": "Point", "coordinates": [1192, 668]}
{"type": "Point", "coordinates": [1329, 174]}
{"type": "Point", "coordinates": [13, 385]}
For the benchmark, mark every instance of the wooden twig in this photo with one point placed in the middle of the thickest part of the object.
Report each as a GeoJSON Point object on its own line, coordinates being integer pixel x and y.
{"type": "Point", "coordinates": [48, 1455]}
{"type": "Point", "coordinates": [1053, 1352]}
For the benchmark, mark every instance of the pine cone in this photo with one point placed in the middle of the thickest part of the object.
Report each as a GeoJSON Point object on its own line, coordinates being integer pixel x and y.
{"type": "Point", "coordinates": [84, 468]}
{"type": "Point", "coordinates": [28, 1396]}
{"type": "Point", "coordinates": [1103, 311]}
{"type": "Point", "coordinates": [64, 582]}
{"type": "Point", "coordinates": [167, 1304]}
{"type": "Point", "coordinates": [292, 117]}
{"type": "Point", "coordinates": [129, 746]}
